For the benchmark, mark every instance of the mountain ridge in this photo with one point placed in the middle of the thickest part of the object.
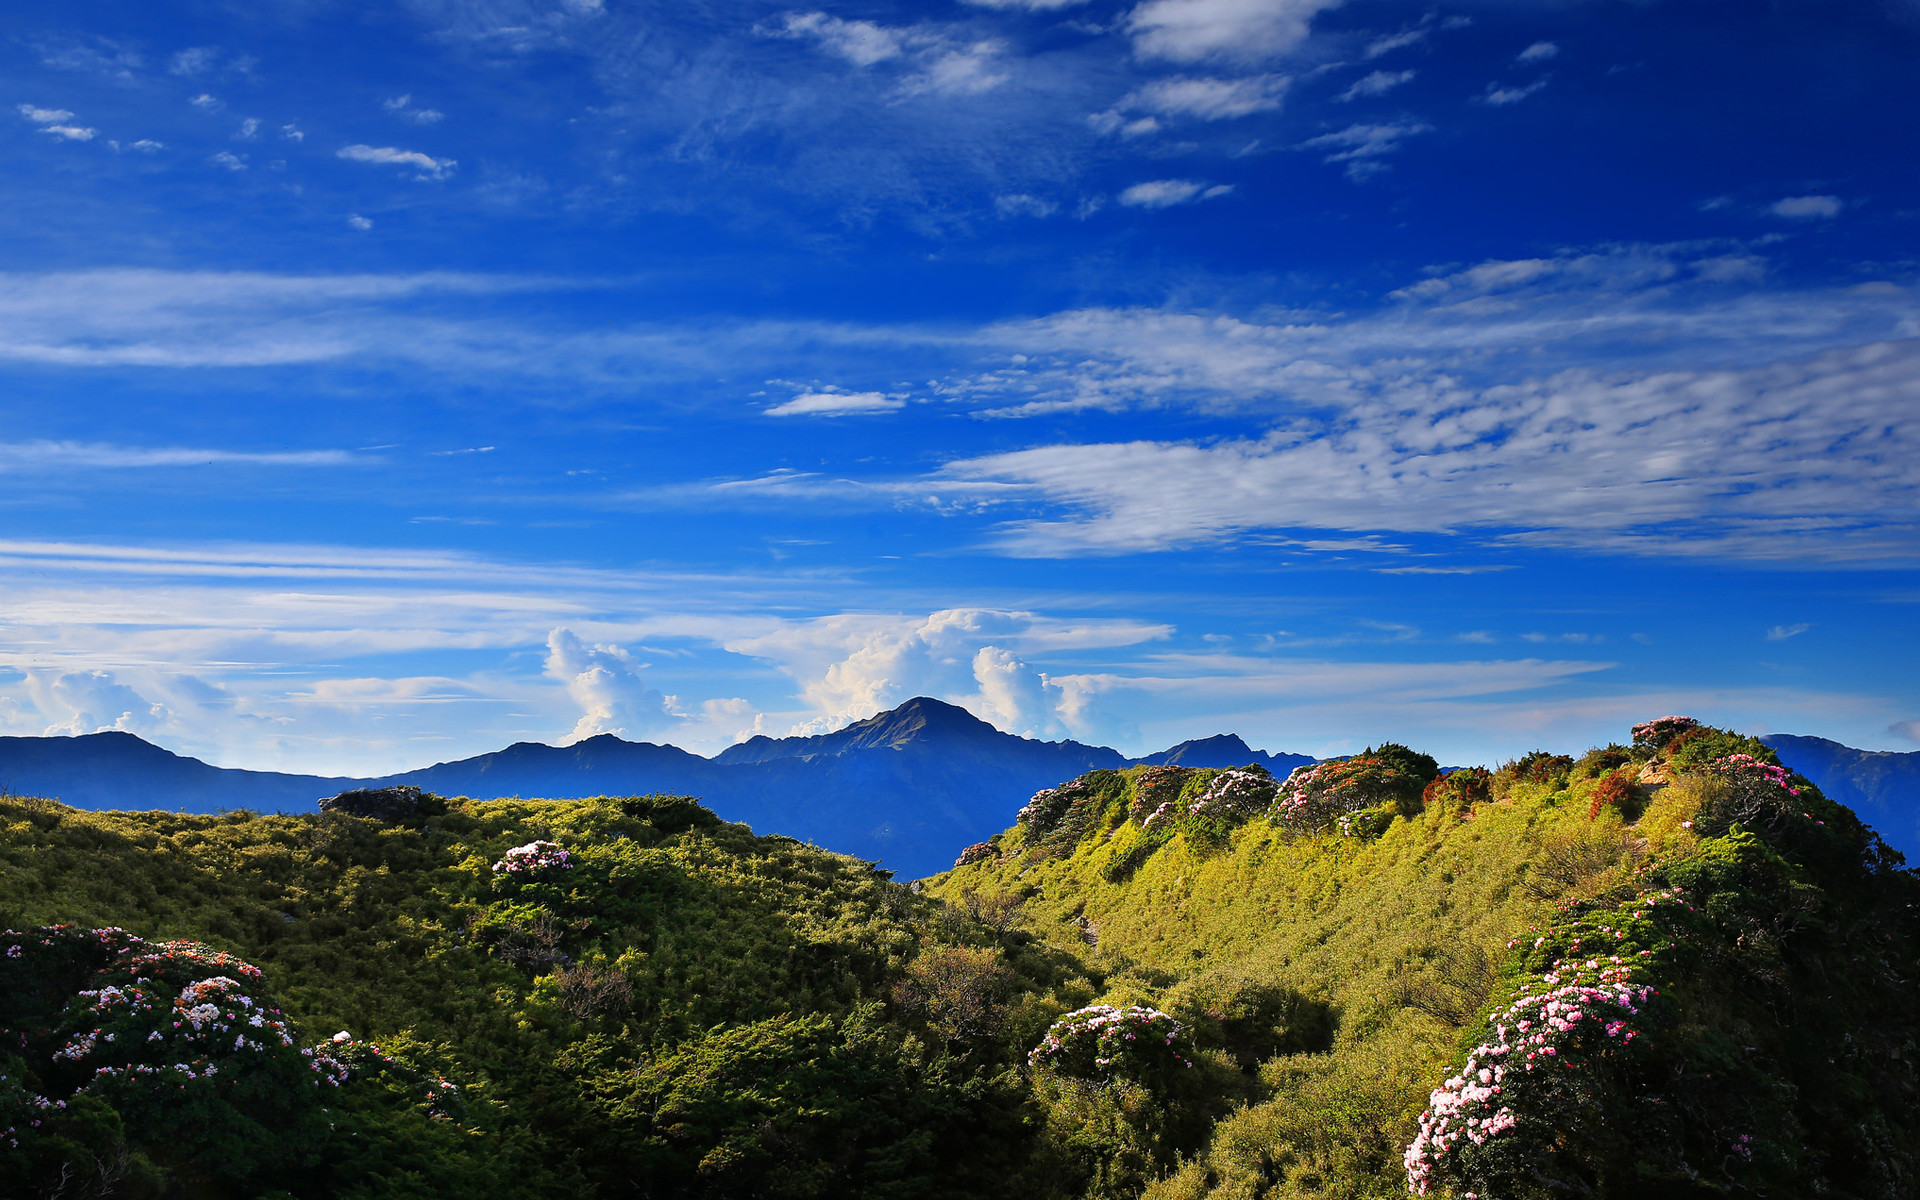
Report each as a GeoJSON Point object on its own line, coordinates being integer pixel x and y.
{"type": "Point", "coordinates": [907, 787]}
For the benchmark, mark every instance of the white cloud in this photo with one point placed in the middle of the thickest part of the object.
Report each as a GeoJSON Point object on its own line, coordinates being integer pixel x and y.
{"type": "Point", "coordinates": [1395, 41]}
{"type": "Point", "coordinates": [1165, 193]}
{"type": "Point", "coordinates": [852, 665]}
{"type": "Point", "coordinates": [966, 71]}
{"type": "Point", "coordinates": [1538, 52]}
{"type": "Point", "coordinates": [1189, 31]}
{"type": "Point", "coordinates": [231, 161]}
{"type": "Point", "coordinates": [356, 221]}
{"type": "Point", "coordinates": [1362, 146]}
{"type": "Point", "coordinates": [1375, 83]}
{"type": "Point", "coordinates": [1113, 123]}
{"type": "Point", "coordinates": [835, 404]}
{"type": "Point", "coordinates": [1500, 96]}
{"type": "Point", "coordinates": [55, 122]}
{"type": "Point", "coordinates": [195, 60]}
{"type": "Point", "coordinates": [1210, 99]}
{"type": "Point", "coordinates": [1780, 633]}
{"type": "Point", "coordinates": [206, 102]}
{"type": "Point", "coordinates": [1804, 208]}
{"type": "Point", "coordinates": [1028, 5]}
{"type": "Point", "coordinates": [861, 43]}
{"type": "Point", "coordinates": [1020, 204]}
{"type": "Point", "coordinates": [249, 129]}
{"type": "Point", "coordinates": [1909, 730]}
{"type": "Point", "coordinates": [53, 455]}
{"type": "Point", "coordinates": [292, 132]}
{"type": "Point", "coordinates": [83, 702]}
{"type": "Point", "coordinates": [1814, 459]}
{"type": "Point", "coordinates": [604, 680]}
{"type": "Point", "coordinates": [402, 107]}
{"type": "Point", "coordinates": [143, 146]}
{"type": "Point", "coordinates": [428, 166]}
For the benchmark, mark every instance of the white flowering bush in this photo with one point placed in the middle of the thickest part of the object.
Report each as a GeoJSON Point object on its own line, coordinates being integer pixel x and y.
{"type": "Point", "coordinates": [1103, 1043]}
{"type": "Point", "coordinates": [534, 858]}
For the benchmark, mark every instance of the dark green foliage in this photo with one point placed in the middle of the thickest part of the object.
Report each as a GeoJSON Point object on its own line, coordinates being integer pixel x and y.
{"type": "Point", "coordinates": [487, 1005]}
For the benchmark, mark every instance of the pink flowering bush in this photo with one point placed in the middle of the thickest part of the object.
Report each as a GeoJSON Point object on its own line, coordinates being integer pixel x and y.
{"type": "Point", "coordinates": [1760, 796]}
{"type": "Point", "coordinates": [175, 1037]}
{"type": "Point", "coordinates": [1357, 797]}
{"type": "Point", "coordinates": [1156, 788]}
{"type": "Point", "coordinates": [978, 852]}
{"type": "Point", "coordinates": [532, 859]}
{"type": "Point", "coordinates": [1535, 1073]}
{"type": "Point", "coordinates": [1653, 736]}
{"type": "Point", "coordinates": [1101, 1043]}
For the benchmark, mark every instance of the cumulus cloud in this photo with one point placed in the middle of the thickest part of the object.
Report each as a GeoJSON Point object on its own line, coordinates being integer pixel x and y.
{"type": "Point", "coordinates": [853, 665]}
{"type": "Point", "coordinates": [428, 166]}
{"type": "Point", "coordinates": [231, 161]}
{"type": "Point", "coordinates": [1028, 5]}
{"type": "Point", "coordinates": [835, 404]}
{"type": "Point", "coordinates": [1165, 193]}
{"type": "Point", "coordinates": [605, 681]}
{"type": "Point", "coordinates": [195, 60]}
{"type": "Point", "coordinates": [83, 702]}
{"type": "Point", "coordinates": [1538, 52]}
{"type": "Point", "coordinates": [1246, 31]}
{"type": "Point", "coordinates": [206, 102]}
{"type": "Point", "coordinates": [1807, 208]}
{"type": "Point", "coordinates": [1375, 83]}
{"type": "Point", "coordinates": [356, 221]}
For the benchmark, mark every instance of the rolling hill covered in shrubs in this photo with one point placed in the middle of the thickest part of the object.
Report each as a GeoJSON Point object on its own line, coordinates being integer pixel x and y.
{"type": "Point", "coordinates": [1667, 968]}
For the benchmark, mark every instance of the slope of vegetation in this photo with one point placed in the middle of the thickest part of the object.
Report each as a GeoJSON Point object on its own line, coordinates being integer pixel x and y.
{"type": "Point", "coordinates": [1665, 969]}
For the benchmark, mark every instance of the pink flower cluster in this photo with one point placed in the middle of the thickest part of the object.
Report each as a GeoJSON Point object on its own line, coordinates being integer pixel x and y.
{"type": "Point", "coordinates": [978, 852]}
{"type": "Point", "coordinates": [1573, 1014]}
{"type": "Point", "coordinates": [1661, 730]}
{"type": "Point", "coordinates": [1101, 1040]}
{"type": "Point", "coordinates": [534, 857]}
{"type": "Point", "coordinates": [1745, 768]}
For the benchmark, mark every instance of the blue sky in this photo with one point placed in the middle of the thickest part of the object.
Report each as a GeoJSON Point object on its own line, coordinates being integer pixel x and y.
{"type": "Point", "coordinates": [386, 383]}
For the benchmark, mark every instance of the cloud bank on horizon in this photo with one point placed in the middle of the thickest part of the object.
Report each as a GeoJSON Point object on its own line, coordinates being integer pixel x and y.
{"type": "Point", "coordinates": [382, 389]}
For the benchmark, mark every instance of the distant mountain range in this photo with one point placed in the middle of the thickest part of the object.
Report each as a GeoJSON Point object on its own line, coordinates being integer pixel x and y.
{"type": "Point", "coordinates": [908, 787]}
{"type": "Point", "coordinates": [1882, 786]}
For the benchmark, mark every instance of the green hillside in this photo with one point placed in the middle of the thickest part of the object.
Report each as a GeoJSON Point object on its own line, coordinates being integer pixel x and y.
{"type": "Point", "coordinates": [1659, 970]}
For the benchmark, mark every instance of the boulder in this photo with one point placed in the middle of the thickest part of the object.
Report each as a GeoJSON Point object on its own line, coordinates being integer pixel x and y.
{"type": "Point", "coordinates": [402, 803]}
